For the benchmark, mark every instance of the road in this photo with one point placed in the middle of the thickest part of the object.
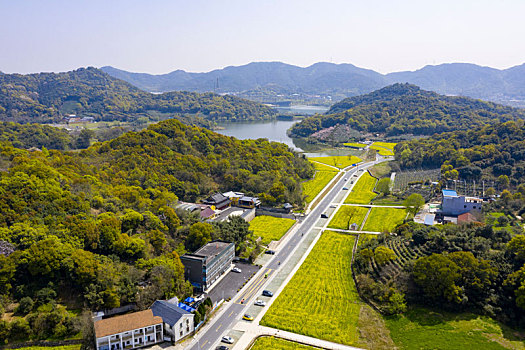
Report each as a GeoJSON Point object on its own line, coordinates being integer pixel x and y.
{"type": "Point", "coordinates": [234, 311]}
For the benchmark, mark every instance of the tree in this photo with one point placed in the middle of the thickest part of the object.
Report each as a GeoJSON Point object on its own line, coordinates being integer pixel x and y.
{"type": "Point", "coordinates": [200, 234]}
{"type": "Point", "coordinates": [414, 202]}
{"type": "Point", "coordinates": [437, 275]}
{"type": "Point", "coordinates": [516, 281]}
{"type": "Point", "coordinates": [516, 247]}
{"type": "Point", "coordinates": [503, 181]}
{"type": "Point", "coordinates": [383, 255]}
{"type": "Point", "coordinates": [84, 138]}
{"type": "Point", "coordinates": [383, 186]}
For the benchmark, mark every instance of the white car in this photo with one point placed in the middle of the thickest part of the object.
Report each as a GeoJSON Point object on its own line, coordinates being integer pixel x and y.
{"type": "Point", "coordinates": [228, 340]}
{"type": "Point", "coordinates": [260, 303]}
{"type": "Point", "coordinates": [236, 269]}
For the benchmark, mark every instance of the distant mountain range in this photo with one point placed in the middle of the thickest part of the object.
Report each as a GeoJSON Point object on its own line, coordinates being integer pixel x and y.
{"type": "Point", "coordinates": [89, 92]}
{"type": "Point", "coordinates": [327, 82]}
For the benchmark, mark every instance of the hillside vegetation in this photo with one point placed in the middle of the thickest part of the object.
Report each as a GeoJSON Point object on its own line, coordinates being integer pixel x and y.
{"type": "Point", "coordinates": [406, 109]}
{"type": "Point", "coordinates": [85, 230]}
{"type": "Point", "coordinates": [490, 152]}
{"type": "Point", "coordinates": [47, 97]}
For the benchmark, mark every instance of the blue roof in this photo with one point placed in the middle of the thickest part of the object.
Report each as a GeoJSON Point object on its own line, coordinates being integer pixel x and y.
{"type": "Point", "coordinates": [169, 312]}
{"type": "Point", "coordinates": [189, 300]}
{"type": "Point", "coordinates": [451, 193]}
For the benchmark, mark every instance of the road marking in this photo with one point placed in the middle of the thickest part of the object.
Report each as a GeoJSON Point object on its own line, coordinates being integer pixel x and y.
{"type": "Point", "coordinates": [219, 327]}
{"type": "Point", "coordinates": [254, 286]}
{"type": "Point", "coordinates": [230, 313]}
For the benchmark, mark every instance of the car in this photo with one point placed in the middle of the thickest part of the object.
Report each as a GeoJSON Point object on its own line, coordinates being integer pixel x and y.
{"type": "Point", "coordinates": [222, 347]}
{"type": "Point", "coordinates": [333, 206]}
{"type": "Point", "coordinates": [247, 317]}
{"type": "Point", "coordinates": [346, 178]}
{"type": "Point", "coordinates": [324, 216]}
{"type": "Point", "coordinates": [267, 293]}
{"type": "Point", "coordinates": [360, 169]}
{"type": "Point", "coordinates": [345, 188]}
{"type": "Point", "coordinates": [259, 303]}
{"type": "Point", "coordinates": [271, 252]}
{"type": "Point", "coordinates": [226, 339]}
{"type": "Point", "coordinates": [351, 182]}
{"type": "Point", "coordinates": [236, 269]}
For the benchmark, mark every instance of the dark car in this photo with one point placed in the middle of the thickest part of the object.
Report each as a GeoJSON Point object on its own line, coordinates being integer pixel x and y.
{"type": "Point", "coordinates": [324, 216]}
{"type": "Point", "coordinates": [271, 252]}
{"type": "Point", "coordinates": [222, 347]}
{"type": "Point", "coordinates": [267, 293]}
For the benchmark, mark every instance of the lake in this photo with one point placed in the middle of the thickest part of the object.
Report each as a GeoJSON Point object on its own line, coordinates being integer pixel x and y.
{"type": "Point", "coordinates": [274, 130]}
{"type": "Point", "coordinates": [302, 109]}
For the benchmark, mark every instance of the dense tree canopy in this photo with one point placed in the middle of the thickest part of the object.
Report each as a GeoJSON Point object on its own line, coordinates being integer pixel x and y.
{"type": "Point", "coordinates": [46, 97]}
{"type": "Point", "coordinates": [405, 109]}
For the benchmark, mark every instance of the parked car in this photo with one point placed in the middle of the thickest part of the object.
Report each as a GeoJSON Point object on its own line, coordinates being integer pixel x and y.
{"type": "Point", "coordinates": [247, 317]}
{"type": "Point", "coordinates": [226, 339]}
{"type": "Point", "coordinates": [260, 303]}
{"type": "Point", "coordinates": [271, 252]}
{"type": "Point", "coordinates": [346, 178]}
{"type": "Point", "coordinates": [333, 206]}
{"type": "Point", "coordinates": [267, 293]}
{"type": "Point", "coordinates": [345, 188]}
{"type": "Point", "coordinates": [324, 216]}
{"type": "Point", "coordinates": [222, 347]}
{"type": "Point", "coordinates": [236, 269]}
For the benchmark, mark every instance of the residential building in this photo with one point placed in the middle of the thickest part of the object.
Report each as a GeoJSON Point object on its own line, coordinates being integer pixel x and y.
{"type": "Point", "coordinates": [454, 205]}
{"type": "Point", "coordinates": [218, 200]}
{"type": "Point", "coordinates": [249, 202]}
{"type": "Point", "coordinates": [178, 323]}
{"type": "Point", "coordinates": [208, 263]}
{"type": "Point", "coordinates": [129, 331]}
{"type": "Point", "coordinates": [207, 213]}
{"type": "Point", "coordinates": [234, 196]}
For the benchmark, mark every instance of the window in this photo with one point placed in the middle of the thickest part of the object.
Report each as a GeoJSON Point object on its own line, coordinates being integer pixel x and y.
{"type": "Point", "coordinates": [181, 333]}
{"type": "Point", "coordinates": [464, 206]}
{"type": "Point", "coordinates": [187, 321]}
{"type": "Point", "coordinates": [181, 325]}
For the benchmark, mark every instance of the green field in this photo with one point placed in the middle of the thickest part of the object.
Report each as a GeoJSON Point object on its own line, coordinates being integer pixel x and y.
{"type": "Point", "coordinates": [363, 191]}
{"type": "Point", "coordinates": [311, 188]}
{"type": "Point", "coordinates": [321, 298]}
{"type": "Point", "coordinates": [354, 145]}
{"type": "Point", "coordinates": [266, 343]}
{"type": "Point", "coordinates": [270, 228]}
{"type": "Point", "coordinates": [337, 161]}
{"type": "Point", "coordinates": [425, 329]}
{"type": "Point", "coordinates": [387, 145]}
{"type": "Point", "coordinates": [64, 347]}
{"type": "Point", "coordinates": [347, 215]}
{"type": "Point", "coordinates": [322, 167]}
{"type": "Point", "coordinates": [384, 219]}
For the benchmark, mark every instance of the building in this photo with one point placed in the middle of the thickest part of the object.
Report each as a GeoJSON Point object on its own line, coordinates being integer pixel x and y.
{"type": "Point", "coordinates": [208, 263]}
{"type": "Point", "coordinates": [129, 331]}
{"type": "Point", "coordinates": [207, 214]}
{"type": "Point", "coordinates": [454, 205]}
{"type": "Point", "coordinates": [218, 200]}
{"type": "Point", "coordinates": [178, 323]}
{"type": "Point", "coordinates": [249, 202]}
{"type": "Point", "coordinates": [234, 196]}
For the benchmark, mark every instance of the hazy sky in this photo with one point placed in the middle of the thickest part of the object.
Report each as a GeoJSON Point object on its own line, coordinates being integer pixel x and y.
{"type": "Point", "coordinates": [159, 36]}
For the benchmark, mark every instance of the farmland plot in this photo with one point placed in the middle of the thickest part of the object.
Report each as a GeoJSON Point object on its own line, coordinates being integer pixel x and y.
{"type": "Point", "coordinates": [321, 299]}
{"type": "Point", "coordinates": [363, 190]}
{"type": "Point", "coordinates": [347, 215]}
{"type": "Point", "coordinates": [270, 228]}
{"type": "Point", "coordinates": [337, 161]}
{"type": "Point", "coordinates": [384, 219]}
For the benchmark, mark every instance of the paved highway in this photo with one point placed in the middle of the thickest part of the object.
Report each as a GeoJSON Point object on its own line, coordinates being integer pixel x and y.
{"type": "Point", "coordinates": [234, 310]}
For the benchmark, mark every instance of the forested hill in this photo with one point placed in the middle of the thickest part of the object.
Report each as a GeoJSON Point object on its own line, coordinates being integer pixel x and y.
{"type": "Point", "coordinates": [406, 109]}
{"type": "Point", "coordinates": [47, 97]}
{"type": "Point", "coordinates": [490, 152]}
{"type": "Point", "coordinates": [98, 228]}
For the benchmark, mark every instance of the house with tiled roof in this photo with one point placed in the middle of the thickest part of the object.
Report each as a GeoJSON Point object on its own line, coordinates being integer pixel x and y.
{"type": "Point", "coordinates": [178, 323]}
{"type": "Point", "coordinates": [129, 331]}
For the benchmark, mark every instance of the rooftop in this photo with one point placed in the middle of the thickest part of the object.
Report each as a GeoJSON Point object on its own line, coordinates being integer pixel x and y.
{"type": "Point", "coordinates": [450, 193]}
{"type": "Point", "coordinates": [170, 313]}
{"type": "Point", "coordinates": [212, 249]}
{"type": "Point", "coordinates": [124, 323]}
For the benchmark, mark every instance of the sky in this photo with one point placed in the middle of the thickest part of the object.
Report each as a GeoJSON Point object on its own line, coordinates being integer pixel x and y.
{"type": "Point", "coordinates": [159, 36]}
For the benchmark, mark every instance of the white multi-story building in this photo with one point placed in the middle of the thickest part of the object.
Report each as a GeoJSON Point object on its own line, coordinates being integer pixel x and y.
{"type": "Point", "coordinates": [178, 323]}
{"type": "Point", "coordinates": [129, 331]}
